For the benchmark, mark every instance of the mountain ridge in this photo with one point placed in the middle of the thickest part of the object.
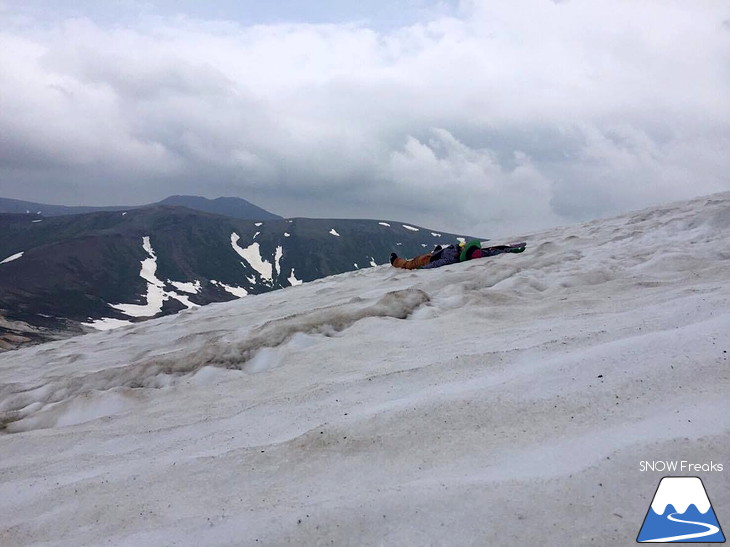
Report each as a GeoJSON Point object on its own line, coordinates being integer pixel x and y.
{"type": "Point", "coordinates": [226, 206]}
{"type": "Point", "coordinates": [66, 274]}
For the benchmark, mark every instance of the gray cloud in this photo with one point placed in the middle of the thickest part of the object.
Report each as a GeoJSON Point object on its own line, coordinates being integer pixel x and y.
{"type": "Point", "coordinates": [494, 119]}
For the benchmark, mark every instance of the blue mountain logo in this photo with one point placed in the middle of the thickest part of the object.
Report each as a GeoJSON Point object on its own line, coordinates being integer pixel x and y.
{"type": "Point", "coordinates": [681, 512]}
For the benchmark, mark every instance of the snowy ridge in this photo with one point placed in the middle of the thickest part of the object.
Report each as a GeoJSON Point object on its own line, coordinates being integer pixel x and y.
{"type": "Point", "coordinates": [385, 406]}
{"type": "Point", "coordinates": [26, 411]}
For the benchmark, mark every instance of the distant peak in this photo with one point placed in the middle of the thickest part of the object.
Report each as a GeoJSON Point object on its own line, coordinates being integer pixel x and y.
{"type": "Point", "coordinates": [227, 206]}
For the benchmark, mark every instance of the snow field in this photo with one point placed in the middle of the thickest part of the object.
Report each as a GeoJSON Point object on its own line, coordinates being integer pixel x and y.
{"type": "Point", "coordinates": [506, 400]}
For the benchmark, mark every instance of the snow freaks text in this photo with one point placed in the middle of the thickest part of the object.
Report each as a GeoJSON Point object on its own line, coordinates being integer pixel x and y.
{"type": "Point", "coordinates": [679, 466]}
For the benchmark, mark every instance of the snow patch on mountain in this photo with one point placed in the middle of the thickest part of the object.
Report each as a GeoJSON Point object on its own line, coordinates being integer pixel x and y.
{"type": "Point", "coordinates": [156, 293]}
{"type": "Point", "coordinates": [293, 279]}
{"type": "Point", "coordinates": [278, 254]}
{"type": "Point", "coordinates": [411, 228]}
{"type": "Point", "coordinates": [190, 288]}
{"type": "Point", "coordinates": [239, 292]}
{"type": "Point", "coordinates": [252, 256]}
{"type": "Point", "coordinates": [16, 256]}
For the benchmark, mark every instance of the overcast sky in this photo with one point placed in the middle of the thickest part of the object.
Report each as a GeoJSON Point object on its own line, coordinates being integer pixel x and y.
{"type": "Point", "coordinates": [489, 117]}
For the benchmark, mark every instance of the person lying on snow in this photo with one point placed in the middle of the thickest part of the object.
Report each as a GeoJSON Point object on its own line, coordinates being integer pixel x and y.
{"type": "Point", "coordinates": [442, 256]}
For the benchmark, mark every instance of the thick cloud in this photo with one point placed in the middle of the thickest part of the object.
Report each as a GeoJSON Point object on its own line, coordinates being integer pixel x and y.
{"type": "Point", "coordinates": [498, 118]}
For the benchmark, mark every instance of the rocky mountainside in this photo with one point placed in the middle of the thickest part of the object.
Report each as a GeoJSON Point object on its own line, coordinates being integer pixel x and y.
{"type": "Point", "coordinates": [70, 274]}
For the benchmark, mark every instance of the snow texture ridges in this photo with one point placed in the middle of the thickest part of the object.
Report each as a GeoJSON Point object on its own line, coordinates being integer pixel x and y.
{"type": "Point", "coordinates": [25, 407]}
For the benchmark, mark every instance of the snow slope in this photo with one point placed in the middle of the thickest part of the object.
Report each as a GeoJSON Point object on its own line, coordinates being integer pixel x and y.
{"type": "Point", "coordinates": [504, 401]}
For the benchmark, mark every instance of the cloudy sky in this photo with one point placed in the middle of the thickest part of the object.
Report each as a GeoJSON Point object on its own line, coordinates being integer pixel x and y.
{"type": "Point", "coordinates": [490, 117]}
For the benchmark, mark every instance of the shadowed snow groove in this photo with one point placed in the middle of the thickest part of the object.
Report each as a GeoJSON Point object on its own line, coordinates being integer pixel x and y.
{"type": "Point", "coordinates": [19, 402]}
{"type": "Point", "coordinates": [326, 321]}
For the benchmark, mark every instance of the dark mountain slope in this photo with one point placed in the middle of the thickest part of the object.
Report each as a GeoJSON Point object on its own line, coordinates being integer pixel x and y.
{"type": "Point", "coordinates": [148, 262]}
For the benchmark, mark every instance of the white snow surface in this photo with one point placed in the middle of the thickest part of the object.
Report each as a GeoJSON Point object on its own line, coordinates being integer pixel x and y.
{"type": "Point", "coordinates": [16, 256]}
{"type": "Point", "coordinates": [411, 228]}
{"type": "Point", "coordinates": [503, 401]}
